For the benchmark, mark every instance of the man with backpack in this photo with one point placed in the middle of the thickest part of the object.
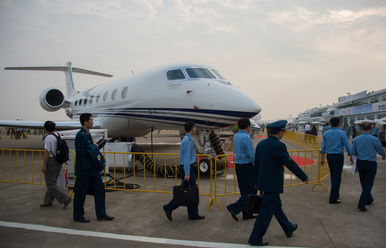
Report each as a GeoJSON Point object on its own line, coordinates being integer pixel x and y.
{"type": "Point", "coordinates": [53, 158]}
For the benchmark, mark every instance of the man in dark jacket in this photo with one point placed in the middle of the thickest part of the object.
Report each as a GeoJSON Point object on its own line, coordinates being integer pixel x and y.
{"type": "Point", "coordinates": [87, 173]}
{"type": "Point", "coordinates": [270, 157]}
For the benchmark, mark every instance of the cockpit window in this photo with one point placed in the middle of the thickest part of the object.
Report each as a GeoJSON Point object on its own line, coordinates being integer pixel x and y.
{"type": "Point", "coordinates": [199, 73]}
{"type": "Point", "coordinates": [175, 75]}
{"type": "Point", "coordinates": [218, 74]}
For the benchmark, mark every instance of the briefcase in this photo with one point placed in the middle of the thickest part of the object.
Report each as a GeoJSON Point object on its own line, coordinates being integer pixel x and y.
{"type": "Point", "coordinates": [186, 195]}
{"type": "Point", "coordinates": [253, 204]}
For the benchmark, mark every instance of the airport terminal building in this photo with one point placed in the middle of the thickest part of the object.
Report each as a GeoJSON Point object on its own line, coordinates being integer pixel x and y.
{"type": "Point", "coordinates": [350, 108]}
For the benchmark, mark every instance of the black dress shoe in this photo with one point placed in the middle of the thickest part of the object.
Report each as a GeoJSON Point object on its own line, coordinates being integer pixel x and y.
{"type": "Point", "coordinates": [248, 217]}
{"type": "Point", "coordinates": [336, 202]}
{"type": "Point", "coordinates": [46, 205]}
{"type": "Point", "coordinates": [198, 217]}
{"type": "Point", "coordinates": [82, 220]}
{"type": "Point", "coordinates": [362, 209]}
{"type": "Point", "coordinates": [289, 235]}
{"type": "Point", "coordinates": [66, 202]}
{"type": "Point", "coordinates": [233, 214]}
{"type": "Point", "coordinates": [257, 243]}
{"type": "Point", "coordinates": [168, 214]}
{"type": "Point", "coordinates": [106, 217]}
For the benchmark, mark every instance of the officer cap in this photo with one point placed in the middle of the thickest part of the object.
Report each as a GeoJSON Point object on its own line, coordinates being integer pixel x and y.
{"type": "Point", "coordinates": [277, 125]}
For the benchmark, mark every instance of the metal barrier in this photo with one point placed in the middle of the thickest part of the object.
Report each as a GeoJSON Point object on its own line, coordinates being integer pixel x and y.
{"type": "Point", "coordinates": [157, 172]}
{"type": "Point", "coordinates": [23, 166]}
{"type": "Point", "coordinates": [309, 160]}
{"type": "Point", "coordinates": [141, 172]}
{"type": "Point", "coordinates": [304, 140]}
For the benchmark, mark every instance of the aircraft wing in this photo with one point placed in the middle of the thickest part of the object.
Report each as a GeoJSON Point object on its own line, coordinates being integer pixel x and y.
{"type": "Point", "coordinates": [60, 125]}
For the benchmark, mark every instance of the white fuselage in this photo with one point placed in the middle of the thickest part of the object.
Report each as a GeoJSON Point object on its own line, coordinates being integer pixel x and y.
{"type": "Point", "coordinates": [132, 106]}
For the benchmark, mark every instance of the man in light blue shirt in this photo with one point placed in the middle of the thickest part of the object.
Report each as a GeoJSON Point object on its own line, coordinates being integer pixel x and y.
{"type": "Point", "coordinates": [243, 156]}
{"type": "Point", "coordinates": [187, 171]}
{"type": "Point", "coordinates": [334, 140]}
{"type": "Point", "coordinates": [365, 148]}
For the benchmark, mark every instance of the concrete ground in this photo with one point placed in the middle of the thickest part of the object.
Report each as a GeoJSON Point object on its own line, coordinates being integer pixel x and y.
{"type": "Point", "coordinates": [140, 214]}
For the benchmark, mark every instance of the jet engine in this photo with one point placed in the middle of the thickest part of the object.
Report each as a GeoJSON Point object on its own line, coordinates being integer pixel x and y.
{"type": "Point", "coordinates": [51, 99]}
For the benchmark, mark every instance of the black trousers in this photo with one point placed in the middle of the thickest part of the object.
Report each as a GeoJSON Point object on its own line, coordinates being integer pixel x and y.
{"type": "Point", "coordinates": [83, 185]}
{"type": "Point", "coordinates": [172, 205]}
{"type": "Point", "coordinates": [335, 163]}
{"type": "Point", "coordinates": [367, 171]}
{"type": "Point", "coordinates": [245, 175]}
{"type": "Point", "coordinates": [270, 206]}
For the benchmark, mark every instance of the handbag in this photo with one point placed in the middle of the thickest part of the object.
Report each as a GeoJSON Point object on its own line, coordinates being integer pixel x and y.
{"type": "Point", "coordinates": [186, 194]}
{"type": "Point", "coordinates": [253, 203]}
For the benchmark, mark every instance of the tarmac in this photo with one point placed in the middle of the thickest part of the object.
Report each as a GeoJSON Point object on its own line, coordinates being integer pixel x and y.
{"type": "Point", "coordinates": [140, 221]}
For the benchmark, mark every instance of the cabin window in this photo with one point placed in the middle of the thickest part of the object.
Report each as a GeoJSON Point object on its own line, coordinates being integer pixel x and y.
{"type": "Point", "coordinates": [91, 99]}
{"type": "Point", "coordinates": [175, 75]}
{"type": "Point", "coordinates": [85, 101]}
{"type": "Point", "coordinates": [80, 102]}
{"type": "Point", "coordinates": [97, 98]}
{"type": "Point", "coordinates": [124, 92]}
{"type": "Point", "coordinates": [199, 73]}
{"type": "Point", "coordinates": [105, 96]}
{"type": "Point", "coordinates": [76, 103]}
{"type": "Point", "coordinates": [114, 95]}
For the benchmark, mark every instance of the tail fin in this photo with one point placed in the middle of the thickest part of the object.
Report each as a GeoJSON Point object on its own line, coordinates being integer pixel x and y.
{"type": "Point", "coordinates": [67, 69]}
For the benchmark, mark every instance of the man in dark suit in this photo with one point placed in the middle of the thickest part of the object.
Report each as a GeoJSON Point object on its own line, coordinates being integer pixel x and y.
{"type": "Point", "coordinates": [87, 173]}
{"type": "Point", "coordinates": [270, 157]}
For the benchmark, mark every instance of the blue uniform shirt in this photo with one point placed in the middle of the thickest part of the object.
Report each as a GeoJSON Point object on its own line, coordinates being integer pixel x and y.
{"type": "Point", "coordinates": [187, 153]}
{"type": "Point", "coordinates": [243, 148]}
{"type": "Point", "coordinates": [333, 142]}
{"type": "Point", "coordinates": [366, 147]}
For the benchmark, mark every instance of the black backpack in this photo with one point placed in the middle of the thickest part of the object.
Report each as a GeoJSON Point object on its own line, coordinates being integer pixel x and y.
{"type": "Point", "coordinates": [62, 151]}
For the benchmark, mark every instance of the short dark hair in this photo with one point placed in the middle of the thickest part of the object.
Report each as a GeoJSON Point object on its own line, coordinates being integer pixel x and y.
{"type": "Point", "coordinates": [84, 117]}
{"type": "Point", "coordinates": [49, 126]}
{"type": "Point", "coordinates": [189, 126]}
{"type": "Point", "coordinates": [334, 121]}
{"type": "Point", "coordinates": [366, 126]}
{"type": "Point", "coordinates": [244, 123]}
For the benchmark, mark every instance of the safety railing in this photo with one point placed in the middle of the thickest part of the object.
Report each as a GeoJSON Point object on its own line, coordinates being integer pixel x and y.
{"type": "Point", "coordinates": [23, 166]}
{"type": "Point", "coordinates": [156, 172]}
{"type": "Point", "coordinates": [149, 172]}
{"type": "Point", "coordinates": [306, 141]}
{"type": "Point", "coordinates": [225, 184]}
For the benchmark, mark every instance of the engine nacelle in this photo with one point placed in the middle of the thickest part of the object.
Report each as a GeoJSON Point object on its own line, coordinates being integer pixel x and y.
{"type": "Point", "coordinates": [51, 99]}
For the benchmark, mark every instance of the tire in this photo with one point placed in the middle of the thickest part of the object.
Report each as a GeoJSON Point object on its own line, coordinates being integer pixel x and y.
{"type": "Point", "coordinates": [204, 167]}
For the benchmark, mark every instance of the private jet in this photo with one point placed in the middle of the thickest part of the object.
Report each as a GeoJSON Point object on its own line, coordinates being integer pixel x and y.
{"type": "Point", "coordinates": [159, 99]}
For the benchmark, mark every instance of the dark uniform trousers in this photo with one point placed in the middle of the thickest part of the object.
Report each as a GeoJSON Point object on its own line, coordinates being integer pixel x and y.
{"type": "Point", "coordinates": [93, 185]}
{"type": "Point", "coordinates": [271, 205]}
{"type": "Point", "coordinates": [245, 176]}
{"type": "Point", "coordinates": [367, 171]}
{"type": "Point", "coordinates": [192, 210]}
{"type": "Point", "coordinates": [53, 169]}
{"type": "Point", "coordinates": [335, 163]}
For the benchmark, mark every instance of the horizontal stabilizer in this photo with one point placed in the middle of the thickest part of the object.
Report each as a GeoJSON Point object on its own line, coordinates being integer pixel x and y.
{"type": "Point", "coordinates": [60, 125]}
{"type": "Point", "coordinates": [58, 68]}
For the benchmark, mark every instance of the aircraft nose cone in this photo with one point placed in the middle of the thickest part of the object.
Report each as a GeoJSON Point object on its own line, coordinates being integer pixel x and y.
{"type": "Point", "coordinates": [252, 107]}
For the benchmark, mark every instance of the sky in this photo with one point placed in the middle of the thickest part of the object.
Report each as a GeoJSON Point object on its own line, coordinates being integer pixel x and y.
{"type": "Point", "coordinates": [287, 55]}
